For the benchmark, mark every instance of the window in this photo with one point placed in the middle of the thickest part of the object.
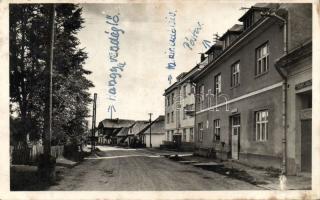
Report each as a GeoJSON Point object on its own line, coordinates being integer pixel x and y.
{"type": "Point", "coordinates": [235, 125]}
{"type": "Point", "coordinates": [191, 89]}
{"type": "Point", "coordinates": [261, 125]}
{"type": "Point", "coordinates": [262, 54]}
{"type": "Point", "coordinates": [210, 57]}
{"type": "Point", "coordinates": [226, 42]}
{"type": "Point", "coordinates": [202, 97]}
{"type": "Point", "coordinates": [306, 100]}
{"type": "Point", "coordinates": [184, 135]}
{"type": "Point", "coordinates": [209, 98]}
{"type": "Point", "coordinates": [217, 84]}
{"type": "Point", "coordinates": [185, 112]}
{"type": "Point", "coordinates": [171, 136]}
{"type": "Point", "coordinates": [200, 132]}
{"type": "Point", "coordinates": [171, 116]}
{"type": "Point", "coordinates": [191, 135]}
{"type": "Point", "coordinates": [168, 135]}
{"type": "Point", "coordinates": [190, 107]}
{"type": "Point", "coordinates": [235, 74]}
{"type": "Point", "coordinates": [248, 21]}
{"type": "Point", "coordinates": [172, 98]}
{"type": "Point", "coordinates": [184, 91]}
{"type": "Point", "coordinates": [168, 118]}
{"type": "Point", "coordinates": [168, 100]}
{"type": "Point", "coordinates": [188, 110]}
{"type": "Point", "coordinates": [216, 126]}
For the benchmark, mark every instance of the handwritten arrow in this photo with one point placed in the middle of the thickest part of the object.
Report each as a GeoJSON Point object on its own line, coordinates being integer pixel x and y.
{"type": "Point", "coordinates": [206, 44]}
{"type": "Point", "coordinates": [111, 109]}
{"type": "Point", "coordinates": [169, 79]}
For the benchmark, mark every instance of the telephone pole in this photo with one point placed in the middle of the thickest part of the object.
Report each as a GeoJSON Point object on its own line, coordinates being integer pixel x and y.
{"type": "Point", "coordinates": [93, 122]}
{"type": "Point", "coordinates": [46, 164]}
{"type": "Point", "coordinates": [48, 72]}
{"type": "Point", "coordinates": [150, 114]}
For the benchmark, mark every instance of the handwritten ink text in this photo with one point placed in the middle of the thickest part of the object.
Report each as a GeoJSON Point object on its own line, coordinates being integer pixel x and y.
{"type": "Point", "coordinates": [172, 42]}
{"type": "Point", "coordinates": [113, 54]}
{"type": "Point", "coordinates": [190, 42]}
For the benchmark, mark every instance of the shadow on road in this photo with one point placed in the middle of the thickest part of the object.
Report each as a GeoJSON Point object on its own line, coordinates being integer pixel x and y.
{"type": "Point", "coordinates": [229, 172]}
{"type": "Point", "coordinates": [26, 178]}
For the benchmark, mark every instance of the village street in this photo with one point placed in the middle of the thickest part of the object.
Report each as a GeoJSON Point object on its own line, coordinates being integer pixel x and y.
{"type": "Point", "coordinates": [141, 170]}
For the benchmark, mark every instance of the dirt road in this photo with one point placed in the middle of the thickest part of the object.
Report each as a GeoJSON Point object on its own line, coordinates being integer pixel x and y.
{"type": "Point", "coordinates": [115, 169]}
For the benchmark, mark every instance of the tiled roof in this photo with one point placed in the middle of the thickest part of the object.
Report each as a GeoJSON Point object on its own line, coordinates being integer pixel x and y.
{"type": "Point", "coordinates": [259, 7]}
{"type": "Point", "coordinates": [157, 126]}
{"type": "Point", "coordinates": [171, 87]}
{"type": "Point", "coordinates": [237, 28]}
{"type": "Point", "coordinates": [116, 123]}
{"type": "Point", "coordinates": [217, 45]}
{"type": "Point", "coordinates": [138, 127]}
{"type": "Point", "coordinates": [295, 55]}
{"type": "Point", "coordinates": [123, 132]}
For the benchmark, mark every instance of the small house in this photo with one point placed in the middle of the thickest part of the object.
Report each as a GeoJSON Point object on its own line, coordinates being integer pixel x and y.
{"type": "Point", "coordinates": [133, 138]}
{"type": "Point", "coordinates": [157, 133]}
{"type": "Point", "coordinates": [111, 127]}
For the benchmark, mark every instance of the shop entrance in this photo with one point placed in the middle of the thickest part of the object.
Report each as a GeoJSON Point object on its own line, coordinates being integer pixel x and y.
{"type": "Point", "coordinates": [306, 130]}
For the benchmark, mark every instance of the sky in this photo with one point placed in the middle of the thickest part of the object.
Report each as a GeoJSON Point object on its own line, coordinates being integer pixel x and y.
{"type": "Point", "coordinates": [144, 48]}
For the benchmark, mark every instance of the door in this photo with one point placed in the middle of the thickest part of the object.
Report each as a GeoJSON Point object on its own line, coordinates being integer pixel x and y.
{"type": "Point", "coordinates": [235, 136]}
{"type": "Point", "coordinates": [306, 145]}
{"type": "Point", "coordinates": [177, 140]}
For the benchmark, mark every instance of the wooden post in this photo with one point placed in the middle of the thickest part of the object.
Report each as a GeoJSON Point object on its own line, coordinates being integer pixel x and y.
{"type": "Point", "coordinates": [93, 122]}
{"type": "Point", "coordinates": [150, 129]}
{"type": "Point", "coordinates": [47, 163]}
{"type": "Point", "coordinates": [48, 103]}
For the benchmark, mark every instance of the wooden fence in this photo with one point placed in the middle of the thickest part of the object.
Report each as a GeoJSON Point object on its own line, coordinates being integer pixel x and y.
{"type": "Point", "coordinates": [25, 154]}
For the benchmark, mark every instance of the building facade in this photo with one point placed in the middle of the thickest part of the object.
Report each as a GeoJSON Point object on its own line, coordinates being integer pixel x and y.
{"type": "Point", "coordinates": [133, 135]}
{"type": "Point", "coordinates": [179, 108]}
{"type": "Point", "coordinates": [109, 128]}
{"type": "Point", "coordinates": [297, 68]}
{"type": "Point", "coordinates": [157, 131]}
{"type": "Point", "coordinates": [240, 93]}
{"type": "Point", "coordinates": [170, 112]}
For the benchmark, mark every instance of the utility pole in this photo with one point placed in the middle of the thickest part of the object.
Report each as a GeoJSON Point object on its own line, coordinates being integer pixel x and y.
{"type": "Point", "coordinates": [93, 122]}
{"type": "Point", "coordinates": [48, 72]}
{"type": "Point", "coordinates": [46, 164]}
{"type": "Point", "coordinates": [150, 114]}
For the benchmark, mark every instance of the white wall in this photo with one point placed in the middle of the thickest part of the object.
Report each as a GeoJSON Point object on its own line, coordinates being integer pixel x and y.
{"type": "Point", "coordinates": [184, 123]}
{"type": "Point", "coordinates": [300, 72]}
{"type": "Point", "coordinates": [189, 99]}
{"type": "Point", "coordinates": [156, 140]}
